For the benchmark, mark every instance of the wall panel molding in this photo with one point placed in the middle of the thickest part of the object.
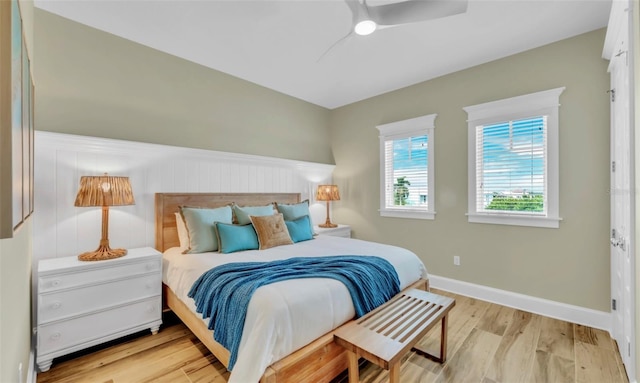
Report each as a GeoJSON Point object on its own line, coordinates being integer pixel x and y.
{"type": "Point", "coordinates": [60, 229]}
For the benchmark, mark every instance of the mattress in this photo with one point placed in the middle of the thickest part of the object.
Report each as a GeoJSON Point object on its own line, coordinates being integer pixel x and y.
{"type": "Point", "coordinates": [285, 316]}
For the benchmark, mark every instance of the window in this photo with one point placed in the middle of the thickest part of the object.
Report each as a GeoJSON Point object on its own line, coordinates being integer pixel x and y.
{"type": "Point", "coordinates": [513, 160]}
{"type": "Point", "coordinates": [406, 168]}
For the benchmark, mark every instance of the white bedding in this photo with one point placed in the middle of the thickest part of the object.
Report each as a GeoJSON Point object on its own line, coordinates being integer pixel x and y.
{"type": "Point", "coordinates": [285, 316]}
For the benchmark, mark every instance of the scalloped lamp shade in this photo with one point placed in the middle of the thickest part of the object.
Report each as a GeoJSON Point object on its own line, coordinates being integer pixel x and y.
{"type": "Point", "coordinates": [328, 193]}
{"type": "Point", "coordinates": [104, 191]}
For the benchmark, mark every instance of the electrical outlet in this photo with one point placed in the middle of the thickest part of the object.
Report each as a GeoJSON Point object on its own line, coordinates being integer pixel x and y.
{"type": "Point", "coordinates": [456, 260]}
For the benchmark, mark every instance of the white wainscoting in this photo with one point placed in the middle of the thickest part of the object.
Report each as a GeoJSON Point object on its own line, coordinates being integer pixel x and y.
{"type": "Point", "coordinates": [60, 229]}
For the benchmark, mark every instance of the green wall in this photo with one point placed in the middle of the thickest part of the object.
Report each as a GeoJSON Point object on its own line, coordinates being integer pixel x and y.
{"type": "Point", "coordinates": [15, 304]}
{"type": "Point", "coordinates": [96, 84]}
{"type": "Point", "coordinates": [569, 264]}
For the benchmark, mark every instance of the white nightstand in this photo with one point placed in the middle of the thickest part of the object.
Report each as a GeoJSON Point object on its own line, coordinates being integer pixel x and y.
{"type": "Point", "coordinates": [82, 304]}
{"type": "Point", "coordinates": [340, 231]}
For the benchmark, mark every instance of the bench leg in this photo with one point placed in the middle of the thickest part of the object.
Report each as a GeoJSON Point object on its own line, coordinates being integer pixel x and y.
{"type": "Point", "coordinates": [394, 373]}
{"type": "Point", "coordinates": [443, 340]}
{"type": "Point", "coordinates": [354, 372]}
{"type": "Point", "coordinates": [443, 345]}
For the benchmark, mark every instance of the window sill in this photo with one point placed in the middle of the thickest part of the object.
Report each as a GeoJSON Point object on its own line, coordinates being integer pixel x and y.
{"type": "Point", "coordinates": [412, 214]}
{"type": "Point", "coordinates": [515, 220]}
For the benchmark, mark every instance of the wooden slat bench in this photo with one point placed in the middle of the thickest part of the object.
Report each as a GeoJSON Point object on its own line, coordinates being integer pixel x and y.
{"type": "Point", "coordinates": [387, 333]}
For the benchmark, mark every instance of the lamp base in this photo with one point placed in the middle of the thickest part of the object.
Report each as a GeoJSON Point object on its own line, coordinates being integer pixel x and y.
{"type": "Point", "coordinates": [102, 253]}
{"type": "Point", "coordinates": [327, 225]}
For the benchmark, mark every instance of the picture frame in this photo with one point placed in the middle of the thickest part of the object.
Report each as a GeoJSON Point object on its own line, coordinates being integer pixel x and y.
{"type": "Point", "coordinates": [16, 122]}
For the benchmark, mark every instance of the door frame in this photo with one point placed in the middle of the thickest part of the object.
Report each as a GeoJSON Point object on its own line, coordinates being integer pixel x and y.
{"type": "Point", "coordinates": [621, 12]}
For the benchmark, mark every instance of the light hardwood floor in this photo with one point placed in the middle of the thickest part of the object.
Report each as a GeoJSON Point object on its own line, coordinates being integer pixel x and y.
{"type": "Point", "coordinates": [488, 343]}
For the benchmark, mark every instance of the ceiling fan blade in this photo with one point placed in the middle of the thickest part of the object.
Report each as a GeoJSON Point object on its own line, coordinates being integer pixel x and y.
{"type": "Point", "coordinates": [413, 11]}
{"type": "Point", "coordinates": [355, 6]}
{"type": "Point", "coordinates": [342, 40]}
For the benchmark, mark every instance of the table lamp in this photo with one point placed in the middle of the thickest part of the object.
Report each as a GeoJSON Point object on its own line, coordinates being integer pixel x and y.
{"type": "Point", "coordinates": [328, 193]}
{"type": "Point", "coordinates": [104, 191]}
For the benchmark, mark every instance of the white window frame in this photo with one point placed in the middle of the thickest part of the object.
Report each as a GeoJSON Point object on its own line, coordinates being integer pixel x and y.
{"type": "Point", "coordinates": [418, 126]}
{"type": "Point", "coordinates": [545, 103]}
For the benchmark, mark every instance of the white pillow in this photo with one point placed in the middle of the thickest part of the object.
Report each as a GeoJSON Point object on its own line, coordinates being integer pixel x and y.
{"type": "Point", "coordinates": [183, 233]}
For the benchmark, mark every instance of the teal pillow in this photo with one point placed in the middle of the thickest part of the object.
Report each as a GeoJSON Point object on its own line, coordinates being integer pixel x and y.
{"type": "Point", "coordinates": [200, 225]}
{"type": "Point", "coordinates": [295, 211]}
{"type": "Point", "coordinates": [236, 237]}
{"type": "Point", "coordinates": [299, 229]}
{"type": "Point", "coordinates": [243, 212]}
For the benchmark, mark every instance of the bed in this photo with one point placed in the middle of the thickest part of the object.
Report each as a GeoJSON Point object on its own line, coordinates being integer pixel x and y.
{"type": "Point", "coordinates": [305, 358]}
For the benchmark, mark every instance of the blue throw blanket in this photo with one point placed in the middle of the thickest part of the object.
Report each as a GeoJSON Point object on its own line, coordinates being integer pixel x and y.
{"type": "Point", "coordinates": [223, 293]}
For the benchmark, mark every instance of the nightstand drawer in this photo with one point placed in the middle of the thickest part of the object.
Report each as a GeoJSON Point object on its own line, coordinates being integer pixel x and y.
{"type": "Point", "coordinates": [74, 332]}
{"type": "Point", "coordinates": [102, 273]}
{"type": "Point", "coordinates": [82, 304]}
{"type": "Point", "coordinates": [76, 301]}
{"type": "Point", "coordinates": [339, 231]}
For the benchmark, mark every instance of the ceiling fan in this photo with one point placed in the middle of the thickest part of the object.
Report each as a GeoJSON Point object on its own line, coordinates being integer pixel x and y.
{"type": "Point", "coordinates": [367, 18]}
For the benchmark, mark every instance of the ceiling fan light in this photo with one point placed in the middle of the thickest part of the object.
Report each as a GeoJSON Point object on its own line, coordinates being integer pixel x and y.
{"type": "Point", "coordinates": [365, 27]}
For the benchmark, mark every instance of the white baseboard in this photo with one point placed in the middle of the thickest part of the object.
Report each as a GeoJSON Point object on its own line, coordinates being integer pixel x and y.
{"type": "Point", "coordinates": [32, 374]}
{"type": "Point", "coordinates": [563, 311]}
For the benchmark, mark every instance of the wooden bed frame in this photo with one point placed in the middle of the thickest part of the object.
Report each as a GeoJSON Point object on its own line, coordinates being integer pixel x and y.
{"type": "Point", "coordinates": [318, 362]}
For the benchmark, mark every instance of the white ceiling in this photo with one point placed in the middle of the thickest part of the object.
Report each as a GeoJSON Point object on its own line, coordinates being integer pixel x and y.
{"type": "Point", "coordinates": [277, 44]}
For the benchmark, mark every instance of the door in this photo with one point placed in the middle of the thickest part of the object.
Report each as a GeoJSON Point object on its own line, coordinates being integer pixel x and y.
{"type": "Point", "coordinates": [622, 203]}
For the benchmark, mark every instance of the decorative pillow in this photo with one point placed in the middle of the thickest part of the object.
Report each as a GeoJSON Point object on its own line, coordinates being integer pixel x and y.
{"type": "Point", "coordinates": [299, 229]}
{"type": "Point", "coordinates": [183, 233]}
{"type": "Point", "coordinates": [243, 212]}
{"type": "Point", "coordinates": [232, 238]}
{"type": "Point", "coordinates": [295, 211]}
{"type": "Point", "coordinates": [201, 228]}
{"type": "Point", "coordinates": [271, 230]}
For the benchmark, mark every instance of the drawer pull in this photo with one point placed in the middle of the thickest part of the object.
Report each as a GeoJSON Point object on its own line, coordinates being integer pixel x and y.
{"type": "Point", "coordinates": [55, 283]}
{"type": "Point", "coordinates": [150, 266]}
{"type": "Point", "coordinates": [56, 305]}
{"type": "Point", "coordinates": [151, 309]}
{"type": "Point", "coordinates": [55, 336]}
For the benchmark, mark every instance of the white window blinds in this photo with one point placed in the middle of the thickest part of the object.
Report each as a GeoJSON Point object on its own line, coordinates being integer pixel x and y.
{"type": "Point", "coordinates": [406, 172]}
{"type": "Point", "coordinates": [513, 160]}
{"type": "Point", "coordinates": [511, 167]}
{"type": "Point", "coordinates": [407, 180]}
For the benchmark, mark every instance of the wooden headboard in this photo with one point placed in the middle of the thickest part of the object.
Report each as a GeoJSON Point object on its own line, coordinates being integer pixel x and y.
{"type": "Point", "coordinates": [167, 204]}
